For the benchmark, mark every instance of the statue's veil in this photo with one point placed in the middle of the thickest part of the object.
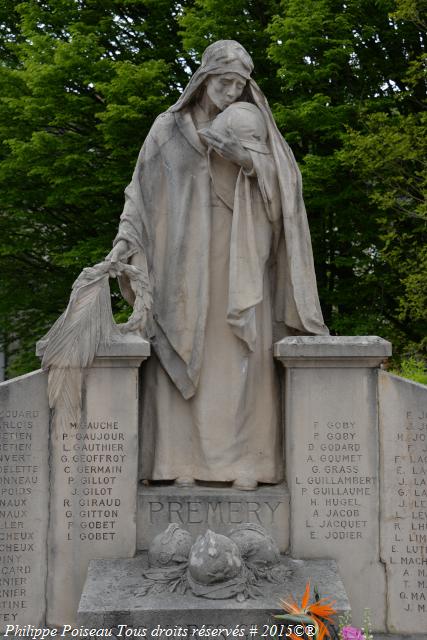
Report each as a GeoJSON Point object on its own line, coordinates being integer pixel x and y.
{"type": "Point", "coordinates": [298, 305]}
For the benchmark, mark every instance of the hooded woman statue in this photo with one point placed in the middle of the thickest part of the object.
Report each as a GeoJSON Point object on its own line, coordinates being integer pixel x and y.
{"type": "Point", "coordinates": [215, 212]}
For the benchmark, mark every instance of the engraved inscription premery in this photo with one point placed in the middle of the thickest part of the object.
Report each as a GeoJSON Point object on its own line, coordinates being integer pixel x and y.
{"type": "Point", "coordinates": [223, 512]}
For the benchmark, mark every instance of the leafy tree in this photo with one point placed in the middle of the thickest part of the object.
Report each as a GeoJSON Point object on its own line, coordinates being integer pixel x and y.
{"type": "Point", "coordinates": [244, 20]}
{"type": "Point", "coordinates": [81, 84]}
{"type": "Point", "coordinates": [328, 67]}
{"type": "Point", "coordinates": [389, 152]}
{"type": "Point", "coordinates": [342, 63]}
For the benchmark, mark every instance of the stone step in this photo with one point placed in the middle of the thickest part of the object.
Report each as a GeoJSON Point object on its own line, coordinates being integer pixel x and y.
{"type": "Point", "coordinates": [112, 595]}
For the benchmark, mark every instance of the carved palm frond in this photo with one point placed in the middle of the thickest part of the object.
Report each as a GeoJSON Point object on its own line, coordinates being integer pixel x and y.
{"type": "Point", "coordinates": [70, 346]}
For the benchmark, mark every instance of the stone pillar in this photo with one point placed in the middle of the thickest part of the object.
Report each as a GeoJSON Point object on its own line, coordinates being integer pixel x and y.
{"type": "Point", "coordinates": [332, 459]}
{"type": "Point", "coordinates": [403, 431]}
{"type": "Point", "coordinates": [94, 477]}
{"type": "Point", "coordinates": [24, 497]}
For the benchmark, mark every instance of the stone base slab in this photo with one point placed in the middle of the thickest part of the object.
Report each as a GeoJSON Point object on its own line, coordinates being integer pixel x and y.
{"type": "Point", "coordinates": [111, 597]}
{"type": "Point", "coordinates": [220, 509]}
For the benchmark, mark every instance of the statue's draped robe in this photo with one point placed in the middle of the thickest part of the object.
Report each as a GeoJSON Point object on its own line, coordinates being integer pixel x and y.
{"type": "Point", "coordinates": [210, 398]}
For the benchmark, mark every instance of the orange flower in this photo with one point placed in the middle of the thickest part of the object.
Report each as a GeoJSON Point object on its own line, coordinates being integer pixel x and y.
{"type": "Point", "coordinates": [314, 613]}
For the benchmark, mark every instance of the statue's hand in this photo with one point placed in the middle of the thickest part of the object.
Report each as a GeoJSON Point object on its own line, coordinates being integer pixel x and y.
{"type": "Point", "coordinates": [118, 252]}
{"type": "Point", "coordinates": [228, 146]}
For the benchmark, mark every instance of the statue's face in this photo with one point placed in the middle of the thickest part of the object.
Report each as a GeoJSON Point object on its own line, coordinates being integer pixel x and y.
{"type": "Point", "coordinates": [225, 89]}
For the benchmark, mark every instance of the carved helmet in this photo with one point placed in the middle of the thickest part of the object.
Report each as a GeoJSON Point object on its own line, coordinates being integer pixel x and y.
{"type": "Point", "coordinates": [214, 558]}
{"type": "Point", "coordinates": [248, 124]}
{"type": "Point", "coordinates": [257, 547]}
{"type": "Point", "coordinates": [170, 547]}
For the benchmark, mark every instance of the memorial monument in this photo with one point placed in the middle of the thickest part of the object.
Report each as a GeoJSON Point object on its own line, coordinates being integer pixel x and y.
{"type": "Point", "coordinates": [213, 252]}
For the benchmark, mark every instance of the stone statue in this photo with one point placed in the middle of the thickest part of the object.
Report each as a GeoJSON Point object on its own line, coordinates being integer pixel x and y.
{"type": "Point", "coordinates": [214, 213]}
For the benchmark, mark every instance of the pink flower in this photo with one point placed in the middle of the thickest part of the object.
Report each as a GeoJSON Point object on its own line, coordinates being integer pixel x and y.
{"type": "Point", "coordinates": [352, 633]}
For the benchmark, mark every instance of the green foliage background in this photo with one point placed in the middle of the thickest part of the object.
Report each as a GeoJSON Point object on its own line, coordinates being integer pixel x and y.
{"type": "Point", "coordinates": [81, 82]}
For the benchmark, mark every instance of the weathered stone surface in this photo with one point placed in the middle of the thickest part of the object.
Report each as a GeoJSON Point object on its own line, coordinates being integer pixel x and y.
{"type": "Point", "coordinates": [24, 495]}
{"type": "Point", "coordinates": [343, 351]}
{"type": "Point", "coordinates": [332, 461]}
{"type": "Point", "coordinates": [171, 547]}
{"type": "Point", "coordinates": [94, 479]}
{"type": "Point", "coordinates": [110, 597]}
{"type": "Point", "coordinates": [214, 566]}
{"type": "Point", "coordinates": [127, 351]}
{"type": "Point", "coordinates": [258, 548]}
{"type": "Point", "coordinates": [214, 558]}
{"type": "Point", "coordinates": [220, 509]}
{"type": "Point", "coordinates": [403, 430]}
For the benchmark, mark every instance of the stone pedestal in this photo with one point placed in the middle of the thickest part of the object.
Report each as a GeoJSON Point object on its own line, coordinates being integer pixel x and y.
{"type": "Point", "coordinates": [219, 509]}
{"type": "Point", "coordinates": [94, 477]}
{"type": "Point", "coordinates": [112, 597]}
{"type": "Point", "coordinates": [332, 459]}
